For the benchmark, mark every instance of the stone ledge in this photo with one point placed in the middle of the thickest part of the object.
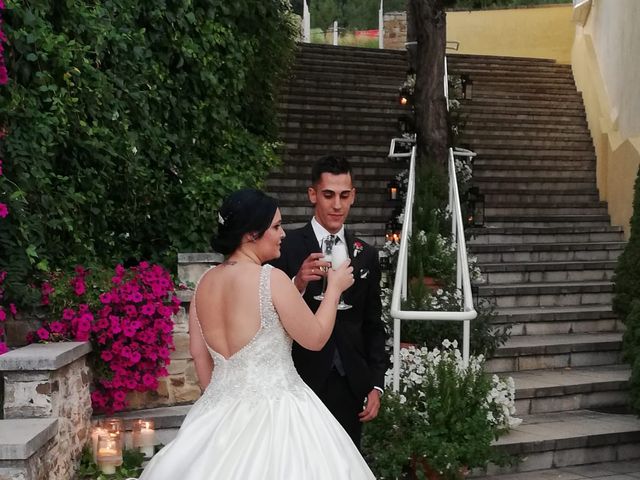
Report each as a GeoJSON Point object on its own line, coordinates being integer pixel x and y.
{"type": "Point", "coordinates": [163, 417]}
{"type": "Point", "coordinates": [43, 356]}
{"type": "Point", "coordinates": [204, 257]}
{"type": "Point", "coordinates": [21, 438]}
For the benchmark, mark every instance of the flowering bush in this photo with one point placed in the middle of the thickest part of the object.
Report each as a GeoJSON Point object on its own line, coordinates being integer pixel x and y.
{"type": "Point", "coordinates": [445, 415]}
{"type": "Point", "coordinates": [128, 319]}
{"type": "Point", "coordinates": [5, 311]}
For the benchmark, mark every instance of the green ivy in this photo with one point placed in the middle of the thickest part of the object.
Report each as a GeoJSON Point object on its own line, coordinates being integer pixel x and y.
{"type": "Point", "coordinates": [127, 123]}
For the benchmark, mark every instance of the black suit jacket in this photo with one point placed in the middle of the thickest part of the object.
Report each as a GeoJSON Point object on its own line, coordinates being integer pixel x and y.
{"type": "Point", "coordinates": [359, 334]}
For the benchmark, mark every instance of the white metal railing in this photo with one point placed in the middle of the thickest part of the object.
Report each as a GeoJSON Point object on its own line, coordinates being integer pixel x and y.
{"type": "Point", "coordinates": [463, 282]}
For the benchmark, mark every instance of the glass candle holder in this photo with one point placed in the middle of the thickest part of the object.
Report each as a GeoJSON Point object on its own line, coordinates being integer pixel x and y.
{"type": "Point", "coordinates": [109, 454]}
{"type": "Point", "coordinates": [115, 426]}
{"type": "Point", "coordinates": [95, 433]}
{"type": "Point", "coordinates": [144, 437]}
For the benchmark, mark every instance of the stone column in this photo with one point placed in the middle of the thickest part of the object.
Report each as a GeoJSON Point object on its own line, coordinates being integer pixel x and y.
{"type": "Point", "coordinates": [50, 381]}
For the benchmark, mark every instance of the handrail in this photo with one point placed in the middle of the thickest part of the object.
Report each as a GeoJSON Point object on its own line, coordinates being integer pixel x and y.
{"type": "Point", "coordinates": [463, 281]}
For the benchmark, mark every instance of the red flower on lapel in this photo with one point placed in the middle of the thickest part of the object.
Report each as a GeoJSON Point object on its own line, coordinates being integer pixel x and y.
{"type": "Point", "coordinates": [357, 248]}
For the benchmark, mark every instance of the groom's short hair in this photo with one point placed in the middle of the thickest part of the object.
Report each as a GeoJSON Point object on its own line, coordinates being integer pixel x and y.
{"type": "Point", "coordinates": [334, 164]}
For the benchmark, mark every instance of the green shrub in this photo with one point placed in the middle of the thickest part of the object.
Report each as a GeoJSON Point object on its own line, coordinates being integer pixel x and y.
{"type": "Point", "coordinates": [127, 122]}
{"type": "Point", "coordinates": [627, 274]}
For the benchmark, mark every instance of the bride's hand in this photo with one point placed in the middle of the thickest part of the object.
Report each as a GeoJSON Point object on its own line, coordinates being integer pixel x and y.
{"type": "Point", "coordinates": [342, 277]}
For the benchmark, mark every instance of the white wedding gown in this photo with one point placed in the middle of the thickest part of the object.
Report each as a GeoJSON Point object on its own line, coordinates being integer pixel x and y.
{"type": "Point", "coordinates": [258, 420]}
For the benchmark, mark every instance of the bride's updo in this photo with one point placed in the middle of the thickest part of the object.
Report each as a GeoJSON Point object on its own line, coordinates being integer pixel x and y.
{"type": "Point", "coordinates": [244, 211]}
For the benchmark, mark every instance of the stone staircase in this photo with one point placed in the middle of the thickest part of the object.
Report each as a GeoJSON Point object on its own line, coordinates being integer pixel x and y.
{"type": "Point", "coordinates": [345, 101]}
{"type": "Point", "coordinates": [548, 252]}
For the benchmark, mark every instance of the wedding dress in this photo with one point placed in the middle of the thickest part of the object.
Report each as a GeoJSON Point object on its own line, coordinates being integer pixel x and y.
{"type": "Point", "coordinates": [258, 420]}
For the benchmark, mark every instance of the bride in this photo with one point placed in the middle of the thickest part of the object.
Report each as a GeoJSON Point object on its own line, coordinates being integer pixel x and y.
{"type": "Point", "coordinates": [256, 419]}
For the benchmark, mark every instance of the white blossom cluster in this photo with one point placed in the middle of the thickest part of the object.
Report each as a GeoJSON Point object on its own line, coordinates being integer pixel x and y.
{"type": "Point", "coordinates": [418, 366]}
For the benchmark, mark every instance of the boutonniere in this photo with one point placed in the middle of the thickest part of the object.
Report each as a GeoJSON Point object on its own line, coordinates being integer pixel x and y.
{"type": "Point", "coordinates": [357, 248]}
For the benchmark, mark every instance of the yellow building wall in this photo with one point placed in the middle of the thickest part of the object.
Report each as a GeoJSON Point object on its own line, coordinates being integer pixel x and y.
{"type": "Point", "coordinates": [608, 82]}
{"type": "Point", "coordinates": [540, 32]}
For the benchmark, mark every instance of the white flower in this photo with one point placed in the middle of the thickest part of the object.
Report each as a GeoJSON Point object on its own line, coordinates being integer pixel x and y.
{"type": "Point", "coordinates": [220, 219]}
{"type": "Point", "coordinates": [134, 150]}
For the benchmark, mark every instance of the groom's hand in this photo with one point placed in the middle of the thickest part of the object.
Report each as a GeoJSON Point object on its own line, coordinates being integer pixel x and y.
{"type": "Point", "coordinates": [371, 407]}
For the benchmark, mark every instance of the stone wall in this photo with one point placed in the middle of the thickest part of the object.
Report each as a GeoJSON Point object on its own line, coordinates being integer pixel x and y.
{"type": "Point", "coordinates": [395, 30]}
{"type": "Point", "coordinates": [49, 383]}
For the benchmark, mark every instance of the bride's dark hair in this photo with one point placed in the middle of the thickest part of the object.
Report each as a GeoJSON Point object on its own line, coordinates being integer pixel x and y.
{"type": "Point", "coordinates": [244, 211]}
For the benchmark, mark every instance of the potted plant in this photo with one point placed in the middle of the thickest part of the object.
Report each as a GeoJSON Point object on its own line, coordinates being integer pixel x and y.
{"type": "Point", "coordinates": [443, 420]}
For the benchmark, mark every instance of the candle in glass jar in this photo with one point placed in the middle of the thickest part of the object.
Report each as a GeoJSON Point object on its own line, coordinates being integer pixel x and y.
{"type": "Point", "coordinates": [97, 431]}
{"type": "Point", "coordinates": [109, 454]}
{"type": "Point", "coordinates": [144, 437]}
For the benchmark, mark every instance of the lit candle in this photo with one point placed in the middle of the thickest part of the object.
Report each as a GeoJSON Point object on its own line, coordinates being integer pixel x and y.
{"type": "Point", "coordinates": [394, 193]}
{"type": "Point", "coordinates": [97, 431]}
{"type": "Point", "coordinates": [144, 437]}
{"type": "Point", "coordinates": [109, 454]}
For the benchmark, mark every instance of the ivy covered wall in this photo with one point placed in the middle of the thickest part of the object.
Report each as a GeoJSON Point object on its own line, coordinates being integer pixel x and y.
{"type": "Point", "coordinates": [124, 124]}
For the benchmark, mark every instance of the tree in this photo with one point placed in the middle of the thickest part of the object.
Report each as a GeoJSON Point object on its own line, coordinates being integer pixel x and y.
{"type": "Point", "coordinates": [426, 25]}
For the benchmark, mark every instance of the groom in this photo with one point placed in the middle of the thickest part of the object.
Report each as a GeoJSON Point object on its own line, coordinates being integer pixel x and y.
{"type": "Point", "coordinates": [348, 373]}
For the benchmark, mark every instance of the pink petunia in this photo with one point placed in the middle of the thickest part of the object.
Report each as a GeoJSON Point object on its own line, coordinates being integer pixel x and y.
{"type": "Point", "coordinates": [3, 315]}
{"type": "Point", "coordinates": [3, 348]}
{"type": "Point", "coordinates": [106, 355]}
{"type": "Point", "coordinates": [4, 211]}
{"type": "Point", "coordinates": [13, 309]}
{"type": "Point", "coordinates": [57, 327]}
{"type": "Point", "coordinates": [43, 333]}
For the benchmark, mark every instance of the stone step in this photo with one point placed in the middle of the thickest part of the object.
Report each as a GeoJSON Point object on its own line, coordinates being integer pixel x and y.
{"type": "Point", "coordinates": [559, 152]}
{"type": "Point", "coordinates": [524, 77]}
{"type": "Point", "coordinates": [530, 143]}
{"type": "Point", "coordinates": [496, 60]}
{"type": "Point", "coordinates": [533, 163]}
{"type": "Point", "coordinates": [561, 234]}
{"type": "Point", "coordinates": [541, 85]}
{"type": "Point", "coordinates": [313, 108]}
{"type": "Point", "coordinates": [546, 220]}
{"type": "Point", "coordinates": [521, 120]}
{"type": "Point", "coordinates": [513, 172]}
{"type": "Point", "coordinates": [343, 79]}
{"type": "Point", "coordinates": [569, 95]}
{"type": "Point", "coordinates": [560, 102]}
{"type": "Point", "coordinates": [310, 50]}
{"type": "Point", "coordinates": [497, 89]}
{"type": "Point", "coordinates": [339, 96]}
{"type": "Point", "coordinates": [345, 147]}
{"type": "Point", "coordinates": [491, 211]}
{"type": "Point", "coordinates": [336, 69]}
{"type": "Point", "coordinates": [548, 294]}
{"type": "Point", "coordinates": [20, 438]}
{"type": "Point", "coordinates": [539, 272]}
{"type": "Point", "coordinates": [548, 252]}
{"type": "Point", "coordinates": [314, 86]}
{"type": "Point", "coordinates": [471, 134]}
{"type": "Point", "coordinates": [535, 352]}
{"type": "Point", "coordinates": [331, 64]}
{"type": "Point", "coordinates": [546, 391]}
{"type": "Point", "coordinates": [351, 119]}
{"type": "Point", "coordinates": [558, 320]}
{"type": "Point", "coordinates": [526, 185]}
{"type": "Point", "coordinates": [532, 110]}
{"type": "Point", "coordinates": [307, 156]}
{"type": "Point", "coordinates": [561, 439]}
{"type": "Point", "coordinates": [371, 137]}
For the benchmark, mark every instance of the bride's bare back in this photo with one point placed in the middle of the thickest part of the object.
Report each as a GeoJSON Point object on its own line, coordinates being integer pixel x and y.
{"type": "Point", "coordinates": [228, 306]}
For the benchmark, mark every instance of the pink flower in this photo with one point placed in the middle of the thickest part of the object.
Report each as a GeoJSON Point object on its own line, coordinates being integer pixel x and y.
{"type": "Point", "coordinates": [4, 211]}
{"type": "Point", "coordinates": [68, 314]}
{"type": "Point", "coordinates": [13, 309]}
{"type": "Point", "coordinates": [3, 315]}
{"type": "Point", "coordinates": [3, 348]}
{"type": "Point", "coordinates": [106, 355]}
{"type": "Point", "coordinates": [43, 333]}
{"type": "Point", "coordinates": [56, 327]}
{"type": "Point", "coordinates": [149, 381]}
{"type": "Point", "coordinates": [105, 298]}
{"type": "Point", "coordinates": [148, 309]}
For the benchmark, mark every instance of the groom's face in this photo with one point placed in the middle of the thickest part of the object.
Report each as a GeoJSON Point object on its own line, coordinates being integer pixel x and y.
{"type": "Point", "coordinates": [332, 197]}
